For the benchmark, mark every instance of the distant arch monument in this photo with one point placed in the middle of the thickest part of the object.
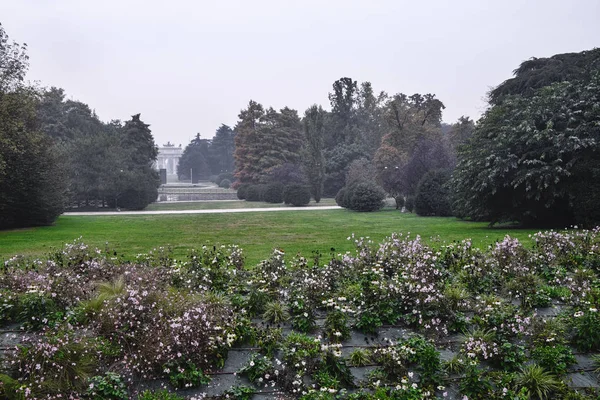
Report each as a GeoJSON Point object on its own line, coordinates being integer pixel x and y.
{"type": "Point", "coordinates": [168, 159]}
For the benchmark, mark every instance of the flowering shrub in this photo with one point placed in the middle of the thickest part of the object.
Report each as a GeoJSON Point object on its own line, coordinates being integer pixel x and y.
{"type": "Point", "coordinates": [99, 325]}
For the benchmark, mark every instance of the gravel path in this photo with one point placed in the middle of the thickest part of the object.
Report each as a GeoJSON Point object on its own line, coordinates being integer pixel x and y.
{"type": "Point", "coordinates": [226, 210]}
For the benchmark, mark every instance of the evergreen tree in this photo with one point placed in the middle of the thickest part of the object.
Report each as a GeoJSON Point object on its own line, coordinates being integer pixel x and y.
{"type": "Point", "coordinates": [193, 163]}
{"type": "Point", "coordinates": [314, 161]}
{"type": "Point", "coordinates": [221, 150]}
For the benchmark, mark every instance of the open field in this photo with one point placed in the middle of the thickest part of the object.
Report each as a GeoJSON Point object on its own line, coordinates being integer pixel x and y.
{"type": "Point", "coordinates": [257, 233]}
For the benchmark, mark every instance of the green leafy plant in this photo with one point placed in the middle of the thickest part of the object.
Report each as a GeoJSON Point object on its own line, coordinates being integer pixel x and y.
{"type": "Point", "coordinates": [109, 386]}
{"type": "Point", "coordinates": [475, 384]}
{"type": "Point", "coordinates": [259, 369]}
{"type": "Point", "coordinates": [268, 339]}
{"type": "Point", "coordinates": [360, 358]}
{"type": "Point", "coordinates": [556, 358]}
{"type": "Point", "coordinates": [336, 326]}
{"type": "Point", "coordinates": [586, 326]}
{"type": "Point", "coordinates": [185, 375]}
{"type": "Point", "coordinates": [240, 392]}
{"type": "Point", "coordinates": [275, 312]}
{"type": "Point", "coordinates": [159, 395]}
{"type": "Point", "coordinates": [539, 382]}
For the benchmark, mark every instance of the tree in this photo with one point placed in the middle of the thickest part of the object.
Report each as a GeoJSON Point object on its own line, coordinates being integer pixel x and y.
{"type": "Point", "coordinates": [194, 160]}
{"type": "Point", "coordinates": [265, 140]}
{"type": "Point", "coordinates": [433, 194]}
{"type": "Point", "coordinates": [32, 189]}
{"type": "Point", "coordinates": [532, 152]}
{"type": "Point", "coordinates": [247, 143]}
{"type": "Point", "coordinates": [220, 151]}
{"type": "Point", "coordinates": [405, 153]}
{"type": "Point", "coordinates": [141, 151]}
{"type": "Point", "coordinates": [314, 161]}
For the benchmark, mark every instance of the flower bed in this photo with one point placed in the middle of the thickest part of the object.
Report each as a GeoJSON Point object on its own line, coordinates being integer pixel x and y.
{"type": "Point", "coordinates": [398, 320]}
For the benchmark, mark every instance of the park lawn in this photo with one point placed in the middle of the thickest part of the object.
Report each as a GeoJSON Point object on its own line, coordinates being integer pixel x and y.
{"type": "Point", "coordinates": [225, 204]}
{"type": "Point", "coordinates": [257, 233]}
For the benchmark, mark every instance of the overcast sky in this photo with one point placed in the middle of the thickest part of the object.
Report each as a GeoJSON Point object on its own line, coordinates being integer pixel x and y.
{"type": "Point", "coordinates": [188, 66]}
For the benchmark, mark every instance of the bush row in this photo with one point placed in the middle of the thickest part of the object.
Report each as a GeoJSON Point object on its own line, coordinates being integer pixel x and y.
{"type": "Point", "coordinates": [295, 194]}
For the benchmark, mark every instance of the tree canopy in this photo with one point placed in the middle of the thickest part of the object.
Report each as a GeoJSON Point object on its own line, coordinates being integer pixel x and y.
{"type": "Point", "coordinates": [534, 155]}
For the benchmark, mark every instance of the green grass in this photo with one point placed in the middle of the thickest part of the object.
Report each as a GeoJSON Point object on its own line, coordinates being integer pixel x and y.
{"type": "Point", "coordinates": [257, 233]}
{"type": "Point", "coordinates": [219, 205]}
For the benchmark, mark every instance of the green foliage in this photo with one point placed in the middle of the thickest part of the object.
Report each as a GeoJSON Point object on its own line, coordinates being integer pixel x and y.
{"type": "Point", "coordinates": [364, 196]}
{"type": "Point", "coordinates": [314, 161]}
{"type": "Point", "coordinates": [254, 193]}
{"type": "Point", "coordinates": [586, 326]}
{"type": "Point", "coordinates": [258, 369]}
{"type": "Point", "coordinates": [340, 198]}
{"type": "Point", "coordinates": [336, 327]}
{"type": "Point", "coordinates": [433, 194]}
{"type": "Point", "coordinates": [556, 358]}
{"type": "Point", "coordinates": [275, 312]}
{"type": "Point", "coordinates": [360, 358]}
{"type": "Point", "coordinates": [475, 384]}
{"type": "Point", "coordinates": [296, 195]}
{"type": "Point", "coordinates": [240, 392]}
{"type": "Point", "coordinates": [539, 382]}
{"type": "Point", "coordinates": [242, 191]}
{"type": "Point", "coordinates": [410, 203]}
{"type": "Point", "coordinates": [159, 395]}
{"type": "Point", "coordinates": [532, 155]}
{"type": "Point", "coordinates": [265, 139]}
{"type": "Point", "coordinates": [225, 184]}
{"type": "Point", "coordinates": [37, 310]}
{"type": "Point", "coordinates": [193, 163]}
{"type": "Point", "coordinates": [273, 193]}
{"type": "Point", "coordinates": [186, 375]}
{"type": "Point", "coordinates": [109, 386]}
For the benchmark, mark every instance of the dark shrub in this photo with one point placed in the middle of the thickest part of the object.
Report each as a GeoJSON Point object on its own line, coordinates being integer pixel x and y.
{"type": "Point", "coordinates": [225, 184]}
{"type": "Point", "coordinates": [254, 193]}
{"type": "Point", "coordinates": [399, 202]}
{"type": "Point", "coordinates": [433, 194]}
{"type": "Point", "coordinates": [340, 198]}
{"type": "Point", "coordinates": [273, 193]}
{"type": "Point", "coordinates": [296, 195]}
{"type": "Point", "coordinates": [364, 196]}
{"type": "Point", "coordinates": [222, 176]}
{"type": "Point", "coordinates": [242, 190]}
{"type": "Point", "coordinates": [409, 204]}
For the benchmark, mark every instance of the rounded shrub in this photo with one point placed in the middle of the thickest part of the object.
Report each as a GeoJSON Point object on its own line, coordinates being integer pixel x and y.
{"type": "Point", "coordinates": [273, 193]}
{"type": "Point", "coordinates": [364, 196]}
{"type": "Point", "coordinates": [340, 198]}
{"type": "Point", "coordinates": [433, 194]}
{"type": "Point", "coordinates": [222, 176]}
{"type": "Point", "coordinates": [296, 195]}
{"type": "Point", "coordinates": [242, 190]}
{"type": "Point", "coordinates": [225, 184]}
{"type": "Point", "coordinates": [254, 193]}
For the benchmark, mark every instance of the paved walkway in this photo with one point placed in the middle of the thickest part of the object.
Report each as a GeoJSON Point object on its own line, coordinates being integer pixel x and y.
{"type": "Point", "coordinates": [225, 210]}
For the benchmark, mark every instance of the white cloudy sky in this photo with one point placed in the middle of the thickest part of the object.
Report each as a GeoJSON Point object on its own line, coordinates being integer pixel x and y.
{"type": "Point", "coordinates": [189, 66]}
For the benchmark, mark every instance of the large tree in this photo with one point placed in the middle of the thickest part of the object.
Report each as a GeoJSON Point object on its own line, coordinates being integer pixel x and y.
{"type": "Point", "coordinates": [534, 155]}
{"type": "Point", "coordinates": [140, 179]}
{"type": "Point", "coordinates": [265, 139]}
{"type": "Point", "coordinates": [221, 150]}
{"type": "Point", "coordinates": [32, 189]}
{"type": "Point", "coordinates": [193, 163]}
{"type": "Point", "coordinates": [413, 123]}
